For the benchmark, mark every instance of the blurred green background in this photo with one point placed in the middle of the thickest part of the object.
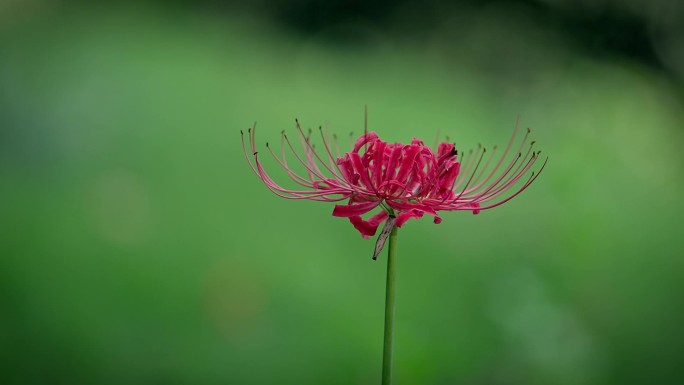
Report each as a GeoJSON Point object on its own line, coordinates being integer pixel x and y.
{"type": "Point", "coordinates": [138, 247]}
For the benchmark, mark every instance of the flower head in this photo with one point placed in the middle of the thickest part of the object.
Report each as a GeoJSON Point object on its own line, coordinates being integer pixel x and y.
{"type": "Point", "coordinates": [405, 180]}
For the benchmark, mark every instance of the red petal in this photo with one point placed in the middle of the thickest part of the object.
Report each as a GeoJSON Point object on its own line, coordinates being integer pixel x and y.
{"type": "Point", "coordinates": [367, 138]}
{"type": "Point", "coordinates": [412, 210]}
{"type": "Point", "coordinates": [405, 216]}
{"type": "Point", "coordinates": [446, 152]}
{"type": "Point", "coordinates": [410, 153]}
{"type": "Point", "coordinates": [354, 209]}
{"type": "Point", "coordinates": [369, 227]}
{"type": "Point", "coordinates": [402, 206]}
{"type": "Point", "coordinates": [361, 170]}
{"type": "Point", "coordinates": [378, 160]}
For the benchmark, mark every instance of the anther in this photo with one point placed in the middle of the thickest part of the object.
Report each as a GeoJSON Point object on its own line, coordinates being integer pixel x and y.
{"type": "Point", "coordinates": [533, 142]}
{"type": "Point", "coordinates": [241, 133]}
{"type": "Point", "coordinates": [529, 130]}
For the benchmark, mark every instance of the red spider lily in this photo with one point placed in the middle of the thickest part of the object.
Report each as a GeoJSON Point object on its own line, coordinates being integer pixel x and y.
{"type": "Point", "coordinates": [405, 180]}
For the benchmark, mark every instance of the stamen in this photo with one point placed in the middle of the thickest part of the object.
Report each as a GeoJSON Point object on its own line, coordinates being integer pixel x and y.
{"type": "Point", "coordinates": [249, 161]}
{"type": "Point", "coordinates": [436, 146]}
{"type": "Point", "coordinates": [471, 177]}
{"type": "Point", "coordinates": [283, 163]}
{"type": "Point", "coordinates": [503, 156]}
{"type": "Point", "coordinates": [311, 161]}
{"type": "Point", "coordinates": [337, 147]}
{"type": "Point", "coordinates": [293, 194]}
{"type": "Point", "coordinates": [331, 159]}
{"type": "Point", "coordinates": [499, 188]}
{"type": "Point", "coordinates": [312, 173]}
{"type": "Point", "coordinates": [525, 186]}
{"type": "Point", "coordinates": [486, 166]}
{"type": "Point", "coordinates": [294, 176]}
{"type": "Point", "coordinates": [467, 163]}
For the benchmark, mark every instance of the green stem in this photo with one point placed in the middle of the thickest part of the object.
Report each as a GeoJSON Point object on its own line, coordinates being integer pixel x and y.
{"type": "Point", "coordinates": [390, 292]}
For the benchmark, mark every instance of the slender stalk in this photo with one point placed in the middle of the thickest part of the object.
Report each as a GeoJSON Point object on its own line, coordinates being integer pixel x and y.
{"type": "Point", "coordinates": [390, 292]}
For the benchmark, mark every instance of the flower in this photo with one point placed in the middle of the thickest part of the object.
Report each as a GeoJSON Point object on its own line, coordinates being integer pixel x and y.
{"type": "Point", "coordinates": [406, 180]}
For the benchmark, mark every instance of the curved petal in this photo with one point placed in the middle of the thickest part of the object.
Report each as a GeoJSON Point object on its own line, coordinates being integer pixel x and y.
{"type": "Point", "coordinates": [368, 228]}
{"type": "Point", "coordinates": [366, 138]}
{"type": "Point", "coordinates": [352, 210]}
{"type": "Point", "coordinates": [405, 216]}
{"type": "Point", "coordinates": [412, 210]}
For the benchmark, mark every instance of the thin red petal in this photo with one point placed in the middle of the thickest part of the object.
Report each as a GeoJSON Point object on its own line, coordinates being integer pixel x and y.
{"type": "Point", "coordinates": [354, 209]}
{"type": "Point", "coordinates": [366, 138]}
{"type": "Point", "coordinates": [370, 227]}
{"type": "Point", "coordinates": [405, 216]}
